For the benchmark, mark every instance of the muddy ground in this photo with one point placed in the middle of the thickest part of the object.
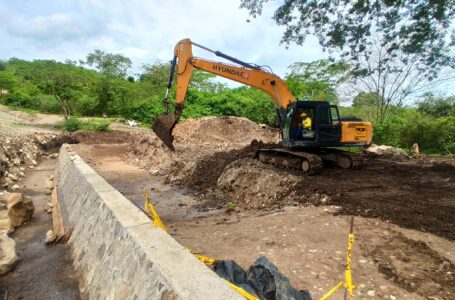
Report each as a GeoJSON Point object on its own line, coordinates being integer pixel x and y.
{"type": "Point", "coordinates": [43, 271]}
{"type": "Point", "coordinates": [225, 204]}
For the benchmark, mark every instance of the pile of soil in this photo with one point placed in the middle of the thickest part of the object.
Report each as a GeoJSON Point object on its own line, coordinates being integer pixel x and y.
{"type": "Point", "coordinates": [214, 156]}
{"type": "Point", "coordinates": [195, 142]}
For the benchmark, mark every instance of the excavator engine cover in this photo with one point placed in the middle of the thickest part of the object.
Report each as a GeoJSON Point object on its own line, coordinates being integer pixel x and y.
{"type": "Point", "coordinates": [163, 128]}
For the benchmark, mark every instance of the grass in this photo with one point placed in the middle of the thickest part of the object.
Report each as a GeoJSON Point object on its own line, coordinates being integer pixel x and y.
{"type": "Point", "coordinates": [75, 124]}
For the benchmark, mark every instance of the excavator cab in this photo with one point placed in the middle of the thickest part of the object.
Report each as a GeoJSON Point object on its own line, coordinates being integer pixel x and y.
{"type": "Point", "coordinates": [325, 125]}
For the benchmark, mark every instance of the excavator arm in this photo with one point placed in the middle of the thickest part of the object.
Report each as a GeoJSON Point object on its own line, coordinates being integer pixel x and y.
{"type": "Point", "coordinates": [248, 74]}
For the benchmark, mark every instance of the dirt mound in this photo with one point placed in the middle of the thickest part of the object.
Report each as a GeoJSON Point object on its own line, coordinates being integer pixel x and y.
{"type": "Point", "coordinates": [214, 157]}
{"type": "Point", "coordinates": [230, 132]}
{"type": "Point", "coordinates": [196, 141]}
{"type": "Point", "coordinates": [100, 137]}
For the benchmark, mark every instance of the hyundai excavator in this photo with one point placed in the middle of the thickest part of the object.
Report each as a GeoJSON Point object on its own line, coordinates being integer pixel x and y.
{"type": "Point", "coordinates": [306, 150]}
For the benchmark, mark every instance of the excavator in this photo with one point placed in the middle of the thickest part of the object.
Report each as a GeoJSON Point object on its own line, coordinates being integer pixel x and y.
{"type": "Point", "coordinates": [306, 149]}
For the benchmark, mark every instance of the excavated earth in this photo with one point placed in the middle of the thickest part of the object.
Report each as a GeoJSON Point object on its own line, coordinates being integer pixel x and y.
{"type": "Point", "coordinates": [217, 199]}
{"type": "Point", "coordinates": [215, 156]}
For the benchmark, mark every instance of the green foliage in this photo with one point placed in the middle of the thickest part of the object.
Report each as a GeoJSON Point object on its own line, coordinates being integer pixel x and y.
{"type": "Point", "coordinates": [434, 106]}
{"type": "Point", "coordinates": [50, 86]}
{"type": "Point", "coordinates": [418, 28]}
{"type": "Point", "coordinates": [113, 65]}
{"type": "Point", "coordinates": [74, 124]}
{"type": "Point", "coordinates": [231, 205]}
{"type": "Point", "coordinates": [8, 80]}
{"type": "Point", "coordinates": [71, 125]}
{"type": "Point", "coordinates": [317, 80]}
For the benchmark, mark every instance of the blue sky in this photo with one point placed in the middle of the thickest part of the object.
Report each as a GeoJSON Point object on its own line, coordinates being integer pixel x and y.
{"type": "Point", "coordinates": [146, 31]}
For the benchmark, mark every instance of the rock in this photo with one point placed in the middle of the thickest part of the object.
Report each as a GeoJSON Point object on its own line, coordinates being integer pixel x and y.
{"type": "Point", "coordinates": [371, 293]}
{"type": "Point", "coordinates": [269, 242]}
{"type": "Point", "coordinates": [48, 191]}
{"type": "Point", "coordinates": [16, 161]}
{"type": "Point", "coordinates": [9, 180]}
{"type": "Point", "coordinates": [12, 177]}
{"type": "Point", "coordinates": [53, 155]}
{"type": "Point", "coordinates": [384, 150]}
{"type": "Point", "coordinates": [20, 209]}
{"type": "Point", "coordinates": [8, 257]}
{"type": "Point", "coordinates": [51, 177]}
{"type": "Point", "coordinates": [15, 187]}
{"type": "Point", "coordinates": [50, 237]}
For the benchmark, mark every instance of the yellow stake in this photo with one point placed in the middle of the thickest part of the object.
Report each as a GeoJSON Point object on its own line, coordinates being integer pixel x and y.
{"type": "Point", "coordinates": [152, 212]}
{"type": "Point", "coordinates": [347, 283]}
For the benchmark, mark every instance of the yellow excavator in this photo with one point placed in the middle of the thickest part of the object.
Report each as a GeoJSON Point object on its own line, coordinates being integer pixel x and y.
{"type": "Point", "coordinates": [305, 145]}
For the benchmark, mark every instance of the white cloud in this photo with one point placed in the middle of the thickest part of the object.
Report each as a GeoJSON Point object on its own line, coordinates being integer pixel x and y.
{"type": "Point", "coordinates": [145, 31]}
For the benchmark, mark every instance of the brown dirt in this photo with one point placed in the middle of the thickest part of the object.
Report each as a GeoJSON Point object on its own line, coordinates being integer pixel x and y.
{"type": "Point", "coordinates": [307, 243]}
{"type": "Point", "coordinates": [213, 156]}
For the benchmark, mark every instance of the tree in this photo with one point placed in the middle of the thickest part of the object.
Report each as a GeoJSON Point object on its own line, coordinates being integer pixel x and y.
{"type": "Point", "coordinates": [437, 106]}
{"type": "Point", "coordinates": [417, 28]}
{"type": "Point", "coordinates": [8, 80]}
{"type": "Point", "coordinates": [63, 81]}
{"type": "Point", "coordinates": [393, 78]}
{"type": "Point", "coordinates": [113, 65]}
{"type": "Point", "coordinates": [317, 80]}
{"type": "Point", "coordinates": [368, 102]}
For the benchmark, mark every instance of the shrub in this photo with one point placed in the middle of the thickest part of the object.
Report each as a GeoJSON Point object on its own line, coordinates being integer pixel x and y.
{"type": "Point", "coordinates": [71, 125]}
{"type": "Point", "coordinates": [102, 125]}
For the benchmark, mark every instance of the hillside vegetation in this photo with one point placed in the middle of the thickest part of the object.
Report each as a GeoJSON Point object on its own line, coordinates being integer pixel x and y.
{"type": "Point", "coordinates": [73, 89]}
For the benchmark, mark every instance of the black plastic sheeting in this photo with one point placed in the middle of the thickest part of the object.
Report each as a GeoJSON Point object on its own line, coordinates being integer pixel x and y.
{"type": "Point", "coordinates": [262, 280]}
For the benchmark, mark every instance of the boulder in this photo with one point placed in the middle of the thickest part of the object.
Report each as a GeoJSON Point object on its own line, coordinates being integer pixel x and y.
{"type": "Point", "coordinates": [50, 237]}
{"type": "Point", "coordinates": [20, 208]}
{"type": "Point", "coordinates": [383, 150]}
{"type": "Point", "coordinates": [8, 257]}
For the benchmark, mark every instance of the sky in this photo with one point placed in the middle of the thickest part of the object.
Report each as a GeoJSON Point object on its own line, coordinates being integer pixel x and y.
{"type": "Point", "coordinates": [146, 31]}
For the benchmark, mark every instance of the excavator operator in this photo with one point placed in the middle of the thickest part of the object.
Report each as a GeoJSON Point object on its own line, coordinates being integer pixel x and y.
{"type": "Point", "coordinates": [303, 127]}
{"type": "Point", "coordinates": [306, 122]}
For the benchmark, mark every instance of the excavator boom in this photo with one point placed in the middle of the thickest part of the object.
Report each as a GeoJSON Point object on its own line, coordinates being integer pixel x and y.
{"type": "Point", "coordinates": [249, 74]}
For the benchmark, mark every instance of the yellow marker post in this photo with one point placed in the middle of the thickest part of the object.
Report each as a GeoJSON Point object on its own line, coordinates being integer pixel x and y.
{"type": "Point", "coordinates": [152, 212]}
{"type": "Point", "coordinates": [347, 283]}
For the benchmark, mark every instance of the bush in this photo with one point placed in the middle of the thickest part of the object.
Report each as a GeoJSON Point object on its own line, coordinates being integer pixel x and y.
{"type": "Point", "coordinates": [74, 124]}
{"type": "Point", "coordinates": [102, 125]}
{"type": "Point", "coordinates": [71, 125]}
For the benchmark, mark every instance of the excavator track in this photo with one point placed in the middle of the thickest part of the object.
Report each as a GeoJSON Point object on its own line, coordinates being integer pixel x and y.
{"type": "Point", "coordinates": [308, 163]}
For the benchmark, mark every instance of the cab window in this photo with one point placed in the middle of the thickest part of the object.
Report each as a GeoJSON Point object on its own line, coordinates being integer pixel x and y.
{"type": "Point", "coordinates": [335, 115]}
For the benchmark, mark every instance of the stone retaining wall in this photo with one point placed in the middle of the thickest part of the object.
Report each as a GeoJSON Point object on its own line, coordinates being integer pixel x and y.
{"type": "Point", "coordinates": [117, 251]}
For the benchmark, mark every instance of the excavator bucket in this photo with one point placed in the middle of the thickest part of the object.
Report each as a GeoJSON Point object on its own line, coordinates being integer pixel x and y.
{"type": "Point", "coordinates": [163, 128]}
